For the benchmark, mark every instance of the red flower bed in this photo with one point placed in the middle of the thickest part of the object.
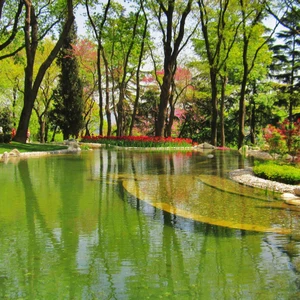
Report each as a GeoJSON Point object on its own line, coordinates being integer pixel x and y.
{"type": "Point", "coordinates": [138, 141]}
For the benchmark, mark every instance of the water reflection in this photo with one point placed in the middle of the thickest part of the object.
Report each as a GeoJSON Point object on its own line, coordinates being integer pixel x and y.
{"type": "Point", "coordinates": [69, 230]}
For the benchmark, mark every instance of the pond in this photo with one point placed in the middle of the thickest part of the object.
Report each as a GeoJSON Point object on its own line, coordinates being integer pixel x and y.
{"type": "Point", "coordinates": [124, 224]}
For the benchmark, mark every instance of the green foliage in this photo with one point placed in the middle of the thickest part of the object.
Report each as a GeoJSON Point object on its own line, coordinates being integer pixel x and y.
{"type": "Point", "coordinates": [282, 173]}
{"type": "Point", "coordinates": [69, 106]}
{"type": "Point", "coordinates": [5, 138]}
{"type": "Point", "coordinates": [286, 60]}
{"type": "Point", "coordinates": [6, 125]}
{"type": "Point", "coordinates": [284, 139]}
{"type": "Point", "coordinates": [138, 141]}
{"type": "Point", "coordinates": [6, 121]}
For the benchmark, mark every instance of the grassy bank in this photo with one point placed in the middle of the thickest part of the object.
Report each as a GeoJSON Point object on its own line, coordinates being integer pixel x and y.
{"type": "Point", "coordinates": [29, 147]}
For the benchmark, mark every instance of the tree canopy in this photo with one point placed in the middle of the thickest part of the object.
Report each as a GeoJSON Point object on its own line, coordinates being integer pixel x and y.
{"type": "Point", "coordinates": [213, 71]}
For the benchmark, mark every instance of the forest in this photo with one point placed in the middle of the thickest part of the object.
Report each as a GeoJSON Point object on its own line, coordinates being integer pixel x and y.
{"type": "Point", "coordinates": [212, 71]}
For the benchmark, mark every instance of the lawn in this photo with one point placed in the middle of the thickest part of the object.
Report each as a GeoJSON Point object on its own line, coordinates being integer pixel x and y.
{"type": "Point", "coordinates": [29, 147]}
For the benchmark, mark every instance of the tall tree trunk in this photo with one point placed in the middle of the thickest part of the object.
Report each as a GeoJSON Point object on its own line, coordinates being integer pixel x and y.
{"type": "Point", "coordinates": [87, 131]}
{"type": "Point", "coordinates": [54, 133]}
{"type": "Point", "coordinates": [222, 109]}
{"type": "Point", "coordinates": [107, 109]}
{"type": "Point", "coordinates": [216, 54]}
{"type": "Point", "coordinates": [42, 125]}
{"type": "Point", "coordinates": [214, 108]}
{"type": "Point", "coordinates": [164, 99]}
{"type": "Point", "coordinates": [242, 105]}
{"type": "Point", "coordinates": [252, 123]}
{"type": "Point", "coordinates": [171, 51]}
{"type": "Point", "coordinates": [31, 41]}
{"type": "Point", "coordinates": [31, 86]}
{"type": "Point", "coordinates": [248, 63]}
{"type": "Point", "coordinates": [138, 87]}
{"type": "Point", "coordinates": [100, 90]}
{"type": "Point", "coordinates": [120, 110]}
{"type": "Point", "coordinates": [170, 121]}
{"type": "Point", "coordinates": [242, 113]}
{"type": "Point", "coordinates": [253, 115]}
{"type": "Point", "coordinates": [99, 48]}
{"type": "Point", "coordinates": [123, 83]}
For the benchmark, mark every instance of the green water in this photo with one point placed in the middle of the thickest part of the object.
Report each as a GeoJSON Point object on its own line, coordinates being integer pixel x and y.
{"type": "Point", "coordinates": [120, 224]}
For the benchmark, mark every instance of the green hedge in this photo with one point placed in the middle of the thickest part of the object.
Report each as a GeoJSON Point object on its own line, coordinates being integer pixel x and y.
{"type": "Point", "coordinates": [276, 172]}
{"type": "Point", "coordinates": [5, 138]}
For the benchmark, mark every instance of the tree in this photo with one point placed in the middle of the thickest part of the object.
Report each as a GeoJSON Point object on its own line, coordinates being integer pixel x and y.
{"type": "Point", "coordinates": [6, 121]}
{"type": "Point", "coordinates": [252, 17]}
{"type": "Point", "coordinates": [171, 16]}
{"type": "Point", "coordinates": [124, 78]}
{"type": "Point", "coordinates": [43, 102]}
{"type": "Point", "coordinates": [68, 97]}
{"type": "Point", "coordinates": [219, 25]}
{"type": "Point", "coordinates": [10, 15]}
{"type": "Point", "coordinates": [32, 36]}
{"type": "Point", "coordinates": [86, 54]}
{"type": "Point", "coordinates": [286, 59]}
{"type": "Point", "coordinates": [138, 69]}
{"type": "Point", "coordinates": [97, 22]}
{"type": "Point", "coordinates": [11, 89]}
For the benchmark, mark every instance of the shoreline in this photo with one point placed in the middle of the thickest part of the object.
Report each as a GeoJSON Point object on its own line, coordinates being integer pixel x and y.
{"type": "Point", "coordinates": [247, 177]}
{"type": "Point", "coordinates": [242, 176]}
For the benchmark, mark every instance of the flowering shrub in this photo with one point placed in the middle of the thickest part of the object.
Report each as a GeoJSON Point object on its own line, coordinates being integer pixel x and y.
{"type": "Point", "coordinates": [291, 132]}
{"type": "Point", "coordinates": [284, 139]}
{"type": "Point", "coordinates": [275, 140]}
{"type": "Point", "coordinates": [138, 141]}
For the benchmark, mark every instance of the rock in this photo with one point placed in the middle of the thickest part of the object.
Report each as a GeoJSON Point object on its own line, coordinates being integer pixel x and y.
{"type": "Point", "coordinates": [291, 199]}
{"type": "Point", "coordinates": [206, 146]}
{"type": "Point", "coordinates": [210, 155]}
{"type": "Point", "coordinates": [297, 191]}
{"type": "Point", "coordinates": [293, 202]}
{"type": "Point", "coordinates": [289, 196]}
{"type": "Point", "coordinates": [73, 145]}
{"type": "Point", "coordinates": [14, 152]}
{"type": "Point", "coordinates": [5, 155]}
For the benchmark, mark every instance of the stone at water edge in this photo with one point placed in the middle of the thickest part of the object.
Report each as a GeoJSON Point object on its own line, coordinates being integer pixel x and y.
{"type": "Point", "coordinates": [206, 146]}
{"type": "Point", "coordinates": [5, 155]}
{"type": "Point", "coordinates": [14, 152]}
{"type": "Point", "coordinates": [290, 198]}
{"type": "Point", "coordinates": [297, 191]}
{"type": "Point", "coordinates": [293, 202]}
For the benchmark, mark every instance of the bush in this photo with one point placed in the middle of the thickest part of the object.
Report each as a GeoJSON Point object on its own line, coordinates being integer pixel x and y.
{"type": "Point", "coordinates": [283, 139]}
{"type": "Point", "coordinates": [6, 120]}
{"type": "Point", "coordinates": [5, 138]}
{"type": "Point", "coordinates": [280, 173]}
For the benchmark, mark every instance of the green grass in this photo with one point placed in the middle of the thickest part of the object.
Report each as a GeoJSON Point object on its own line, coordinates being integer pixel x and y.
{"type": "Point", "coordinates": [29, 147]}
{"type": "Point", "coordinates": [277, 172]}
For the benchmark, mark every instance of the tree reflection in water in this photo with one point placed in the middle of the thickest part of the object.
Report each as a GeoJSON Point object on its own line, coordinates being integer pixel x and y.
{"type": "Point", "coordinates": [70, 230]}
